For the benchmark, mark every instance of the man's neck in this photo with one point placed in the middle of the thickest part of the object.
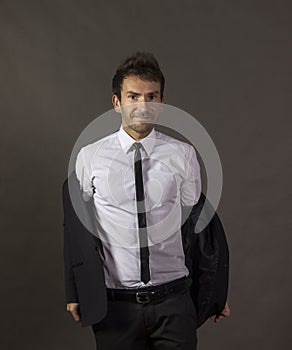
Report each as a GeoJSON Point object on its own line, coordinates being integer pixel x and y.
{"type": "Point", "coordinates": [136, 135]}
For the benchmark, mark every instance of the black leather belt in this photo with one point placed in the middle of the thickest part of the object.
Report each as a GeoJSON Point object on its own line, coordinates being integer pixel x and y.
{"type": "Point", "coordinates": [146, 294]}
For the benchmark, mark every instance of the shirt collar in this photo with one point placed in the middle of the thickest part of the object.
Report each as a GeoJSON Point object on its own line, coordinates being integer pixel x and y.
{"type": "Point", "coordinates": [127, 141]}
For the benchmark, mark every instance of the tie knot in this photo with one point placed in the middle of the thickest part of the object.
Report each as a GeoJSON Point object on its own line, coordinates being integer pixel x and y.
{"type": "Point", "coordinates": [137, 146]}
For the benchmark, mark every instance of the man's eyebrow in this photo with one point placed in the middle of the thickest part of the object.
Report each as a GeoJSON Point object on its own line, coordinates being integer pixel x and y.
{"type": "Point", "coordinates": [154, 92]}
{"type": "Point", "coordinates": [132, 92]}
{"type": "Point", "coordinates": [148, 93]}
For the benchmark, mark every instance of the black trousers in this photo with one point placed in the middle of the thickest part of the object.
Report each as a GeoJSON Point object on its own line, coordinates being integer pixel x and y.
{"type": "Point", "coordinates": [158, 325]}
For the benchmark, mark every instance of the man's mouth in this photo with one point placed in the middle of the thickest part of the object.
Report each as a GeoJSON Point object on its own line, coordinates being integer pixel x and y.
{"type": "Point", "coordinates": [143, 119]}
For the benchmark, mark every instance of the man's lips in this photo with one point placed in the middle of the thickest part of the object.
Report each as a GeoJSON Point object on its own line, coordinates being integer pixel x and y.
{"type": "Point", "coordinates": [143, 118]}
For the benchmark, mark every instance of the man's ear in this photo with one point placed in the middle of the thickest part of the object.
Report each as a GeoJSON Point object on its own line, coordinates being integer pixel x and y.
{"type": "Point", "coordinates": [116, 103]}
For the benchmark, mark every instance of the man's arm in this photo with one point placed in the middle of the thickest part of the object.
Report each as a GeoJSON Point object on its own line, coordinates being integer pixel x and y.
{"type": "Point", "coordinates": [70, 286]}
{"type": "Point", "coordinates": [191, 186]}
{"type": "Point", "coordinates": [210, 263]}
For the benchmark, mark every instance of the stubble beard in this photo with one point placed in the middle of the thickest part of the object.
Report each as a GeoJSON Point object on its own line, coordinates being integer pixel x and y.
{"type": "Point", "coordinates": [141, 128]}
{"type": "Point", "coordinates": [138, 127]}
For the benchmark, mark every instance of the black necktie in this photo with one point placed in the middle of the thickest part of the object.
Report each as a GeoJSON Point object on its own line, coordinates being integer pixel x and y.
{"type": "Point", "coordinates": [144, 250]}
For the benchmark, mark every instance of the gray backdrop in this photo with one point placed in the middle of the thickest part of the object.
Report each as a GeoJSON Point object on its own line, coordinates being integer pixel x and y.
{"type": "Point", "coordinates": [227, 63]}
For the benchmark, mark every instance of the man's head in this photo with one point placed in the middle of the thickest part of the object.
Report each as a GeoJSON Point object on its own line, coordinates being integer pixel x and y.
{"type": "Point", "coordinates": [142, 65]}
{"type": "Point", "coordinates": [138, 80]}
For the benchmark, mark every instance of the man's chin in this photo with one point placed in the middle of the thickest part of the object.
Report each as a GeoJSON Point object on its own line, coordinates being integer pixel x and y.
{"type": "Point", "coordinates": [141, 128]}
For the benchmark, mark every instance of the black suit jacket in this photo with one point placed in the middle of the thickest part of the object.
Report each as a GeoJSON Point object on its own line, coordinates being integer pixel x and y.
{"type": "Point", "coordinates": [206, 256]}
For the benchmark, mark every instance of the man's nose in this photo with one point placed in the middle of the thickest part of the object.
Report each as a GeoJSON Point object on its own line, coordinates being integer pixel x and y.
{"type": "Point", "coordinates": [143, 99]}
{"type": "Point", "coordinates": [143, 104]}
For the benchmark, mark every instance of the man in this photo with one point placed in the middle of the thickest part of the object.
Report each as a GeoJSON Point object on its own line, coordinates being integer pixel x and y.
{"type": "Point", "coordinates": [143, 281]}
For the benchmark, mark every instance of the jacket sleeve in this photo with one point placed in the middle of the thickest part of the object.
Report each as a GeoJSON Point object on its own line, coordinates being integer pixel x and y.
{"type": "Point", "coordinates": [68, 211]}
{"type": "Point", "coordinates": [210, 262]}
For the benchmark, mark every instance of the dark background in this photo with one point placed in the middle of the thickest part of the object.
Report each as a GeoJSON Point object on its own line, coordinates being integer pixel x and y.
{"type": "Point", "coordinates": [227, 63]}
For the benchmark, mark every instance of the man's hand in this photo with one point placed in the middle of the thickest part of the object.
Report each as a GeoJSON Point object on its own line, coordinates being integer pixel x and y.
{"type": "Point", "coordinates": [225, 313]}
{"type": "Point", "coordinates": [73, 308]}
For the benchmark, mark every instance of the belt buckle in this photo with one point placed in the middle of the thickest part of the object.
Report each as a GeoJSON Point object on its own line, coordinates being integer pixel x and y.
{"type": "Point", "coordinates": [143, 297]}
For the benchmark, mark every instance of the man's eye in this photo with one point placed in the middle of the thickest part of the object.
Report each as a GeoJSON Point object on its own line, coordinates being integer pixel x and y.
{"type": "Point", "coordinates": [133, 97]}
{"type": "Point", "coordinates": [152, 97]}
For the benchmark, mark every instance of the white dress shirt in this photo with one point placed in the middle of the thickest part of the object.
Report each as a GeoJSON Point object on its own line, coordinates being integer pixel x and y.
{"type": "Point", "coordinates": [171, 176]}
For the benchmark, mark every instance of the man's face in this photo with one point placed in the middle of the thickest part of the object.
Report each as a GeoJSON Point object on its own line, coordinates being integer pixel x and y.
{"type": "Point", "coordinates": [138, 105]}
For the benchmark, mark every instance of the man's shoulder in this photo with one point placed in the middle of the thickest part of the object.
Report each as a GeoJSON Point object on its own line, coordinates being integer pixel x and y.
{"type": "Point", "coordinates": [173, 142]}
{"type": "Point", "coordinates": [93, 147]}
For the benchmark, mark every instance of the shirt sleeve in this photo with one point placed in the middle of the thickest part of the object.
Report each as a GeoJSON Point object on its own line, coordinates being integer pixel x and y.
{"type": "Point", "coordinates": [82, 173]}
{"type": "Point", "coordinates": [191, 184]}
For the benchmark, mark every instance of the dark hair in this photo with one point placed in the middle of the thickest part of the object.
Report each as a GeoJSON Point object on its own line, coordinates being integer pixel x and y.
{"type": "Point", "coordinates": [142, 64]}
